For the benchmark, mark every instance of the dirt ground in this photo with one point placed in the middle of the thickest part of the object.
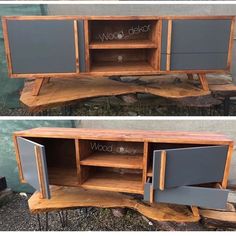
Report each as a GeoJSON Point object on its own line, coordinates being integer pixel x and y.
{"type": "Point", "coordinates": [15, 216]}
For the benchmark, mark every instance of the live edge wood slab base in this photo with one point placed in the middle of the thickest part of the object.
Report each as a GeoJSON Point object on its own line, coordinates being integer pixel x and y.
{"type": "Point", "coordinates": [63, 198]}
{"type": "Point", "coordinates": [57, 92]}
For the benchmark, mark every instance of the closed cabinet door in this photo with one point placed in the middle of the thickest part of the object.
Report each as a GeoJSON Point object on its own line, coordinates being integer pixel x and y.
{"type": "Point", "coordinates": [41, 46]}
{"type": "Point", "coordinates": [177, 171]}
{"type": "Point", "coordinates": [33, 164]}
{"type": "Point", "coordinates": [200, 44]}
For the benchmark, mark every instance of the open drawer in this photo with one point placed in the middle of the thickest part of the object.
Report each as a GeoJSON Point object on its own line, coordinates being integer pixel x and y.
{"type": "Point", "coordinates": [174, 170]}
{"type": "Point", "coordinates": [189, 195]}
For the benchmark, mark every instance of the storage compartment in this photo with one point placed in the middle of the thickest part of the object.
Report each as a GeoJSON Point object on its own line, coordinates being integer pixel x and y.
{"type": "Point", "coordinates": [61, 160]}
{"type": "Point", "coordinates": [111, 165]}
{"type": "Point", "coordinates": [122, 31]}
{"type": "Point", "coordinates": [111, 154]}
{"type": "Point", "coordinates": [112, 179]}
{"type": "Point", "coordinates": [123, 60]}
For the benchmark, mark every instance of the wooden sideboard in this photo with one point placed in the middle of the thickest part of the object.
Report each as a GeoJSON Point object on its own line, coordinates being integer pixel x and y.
{"type": "Point", "coordinates": [171, 167]}
{"type": "Point", "coordinates": [47, 47]}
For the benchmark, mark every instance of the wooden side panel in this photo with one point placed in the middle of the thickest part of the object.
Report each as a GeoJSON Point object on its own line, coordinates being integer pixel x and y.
{"type": "Point", "coordinates": [227, 166]}
{"type": "Point", "coordinates": [87, 41]}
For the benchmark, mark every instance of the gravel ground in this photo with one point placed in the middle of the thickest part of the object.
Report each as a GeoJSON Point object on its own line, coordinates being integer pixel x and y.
{"type": "Point", "coordinates": [113, 106]}
{"type": "Point", "coordinates": [15, 216]}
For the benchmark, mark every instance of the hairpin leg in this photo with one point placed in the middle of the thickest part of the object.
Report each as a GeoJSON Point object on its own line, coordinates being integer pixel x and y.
{"type": "Point", "coordinates": [46, 222]}
{"type": "Point", "coordinates": [63, 218]}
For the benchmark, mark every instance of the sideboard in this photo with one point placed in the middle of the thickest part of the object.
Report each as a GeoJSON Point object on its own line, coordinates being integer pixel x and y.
{"type": "Point", "coordinates": [186, 168]}
{"type": "Point", "coordinates": [44, 47]}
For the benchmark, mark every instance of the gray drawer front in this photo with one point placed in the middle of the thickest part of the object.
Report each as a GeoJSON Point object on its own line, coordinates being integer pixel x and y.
{"type": "Point", "coordinates": [193, 196]}
{"type": "Point", "coordinates": [213, 61]}
{"type": "Point", "coordinates": [81, 42]}
{"type": "Point", "coordinates": [200, 36]}
{"type": "Point", "coordinates": [188, 166]}
{"type": "Point", "coordinates": [163, 62]}
{"type": "Point", "coordinates": [42, 46]}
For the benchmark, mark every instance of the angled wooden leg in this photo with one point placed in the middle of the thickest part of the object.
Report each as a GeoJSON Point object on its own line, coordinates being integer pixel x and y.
{"type": "Point", "coordinates": [37, 86]}
{"type": "Point", "coordinates": [195, 211]}
{"type": "Point", "coordinates": [190, 76]}
{"type": "Point", "coordinates": [203, 81]}
{"type": "Point", "coordinates": [46, 80]}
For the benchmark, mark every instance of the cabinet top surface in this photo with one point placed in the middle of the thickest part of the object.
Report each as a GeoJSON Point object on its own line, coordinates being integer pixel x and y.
{"type": "Point", "coordinates": [127, 135]}
{"type": "Point", "coordinates": [117, 17]}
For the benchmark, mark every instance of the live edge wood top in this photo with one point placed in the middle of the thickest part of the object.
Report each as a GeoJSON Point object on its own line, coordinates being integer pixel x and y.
{"type": "Point", "coordinates": [127, 135]}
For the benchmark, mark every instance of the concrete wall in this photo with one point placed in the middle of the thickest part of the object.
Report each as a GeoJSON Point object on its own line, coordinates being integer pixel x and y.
{"type": "Point", "coordinates": [225, 127]}
{"type": "Point", "coordinates": [8, 167]}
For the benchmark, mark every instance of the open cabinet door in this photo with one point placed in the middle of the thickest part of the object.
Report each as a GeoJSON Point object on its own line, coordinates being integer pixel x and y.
{"type": "Point", "coordinates": [189, 166]}
{"type": "Point", "coordinates": [33, 163]}
{"type": "Point", "coordinates": [177, 171]}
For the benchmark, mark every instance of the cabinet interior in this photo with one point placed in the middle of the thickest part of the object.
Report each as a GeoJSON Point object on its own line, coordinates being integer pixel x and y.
{"type": "Point", "coordinates": [61, 160]}
{"type": "Point", "coordinates": [101, 164]}
{"type": "Point", "coordinates": [111, 164]}
{"type": "Point", "coordinates": [123, 45]}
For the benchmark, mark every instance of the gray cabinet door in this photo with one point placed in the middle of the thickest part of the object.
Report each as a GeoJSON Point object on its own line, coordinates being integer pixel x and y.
{"type": "Point", "coordinates": [42, 46]}
{"type": "Point", "coordinates": [189, 195]}
{"type": "Point", "coordinates": [189, 166]}
{"type": "Point", "coordinates": [200, 44]}
{"type": "Point", "coordinates": [200, 36]}
{"type": "Point", "coordinates": [32, 156]}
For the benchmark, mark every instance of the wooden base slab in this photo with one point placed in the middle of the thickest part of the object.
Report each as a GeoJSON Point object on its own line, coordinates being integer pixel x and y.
{"type": "Point", "coordinates": [74, 197]}
{"type": "Point", "coordinates": [176, 87]}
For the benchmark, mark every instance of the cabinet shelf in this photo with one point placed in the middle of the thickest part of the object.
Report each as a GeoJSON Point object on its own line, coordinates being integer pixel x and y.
{"type": "Point", "coordinates": [113, 160]}
{"type": "Point", "coordinates": [140, 66]}
{"type": "Point", "coordinates": [112, 181]}
{"type": "Point", "coordinates": [122, 44]}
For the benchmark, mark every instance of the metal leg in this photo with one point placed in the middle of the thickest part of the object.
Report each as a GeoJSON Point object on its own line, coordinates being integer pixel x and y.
{"type": "Point", "coordinates": [226, 106]}
{"type": "Point", "coordinates": [39, 222]}
{"type": "Point", "coordinates": [46, 222]}
{"type": "Point", "coordinates": [63, 218]}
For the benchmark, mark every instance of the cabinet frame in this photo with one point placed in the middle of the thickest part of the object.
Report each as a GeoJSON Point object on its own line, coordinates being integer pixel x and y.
{"type": "Point", "coordinates": [86, 19]}
{"type": "Point", "coordinates": [152, 65]}
{"type": "Point", "coordinates": [146, 138]}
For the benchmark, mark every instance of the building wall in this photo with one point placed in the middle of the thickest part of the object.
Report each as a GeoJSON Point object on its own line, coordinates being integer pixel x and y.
{"type": "Point", "coordinates": [227, 127]}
